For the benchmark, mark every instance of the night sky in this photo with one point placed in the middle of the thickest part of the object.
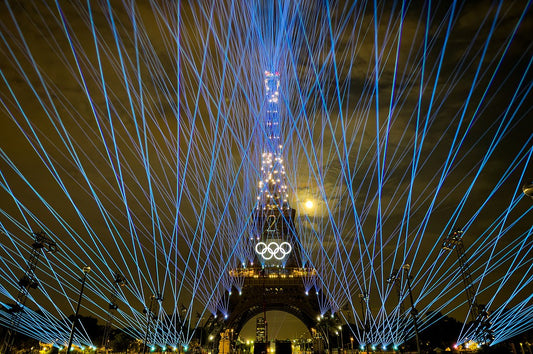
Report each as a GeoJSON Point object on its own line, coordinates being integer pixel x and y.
{"type": "Point", "coordinates": [131, 135]}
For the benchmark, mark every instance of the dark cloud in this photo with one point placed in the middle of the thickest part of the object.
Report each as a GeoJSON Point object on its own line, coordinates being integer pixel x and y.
{"type": "Point", "coordinates": [176, 123]}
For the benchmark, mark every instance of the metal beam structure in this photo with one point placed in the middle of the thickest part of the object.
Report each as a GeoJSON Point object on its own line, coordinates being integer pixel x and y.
{"type": "Point", "coordinates": [28, 281]}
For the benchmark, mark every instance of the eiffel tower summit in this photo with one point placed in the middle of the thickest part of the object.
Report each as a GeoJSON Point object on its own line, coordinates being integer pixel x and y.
{"type": "Point", "coordinates": [275, 278]}
{"type": "Point", "coordinates": [274, 237]}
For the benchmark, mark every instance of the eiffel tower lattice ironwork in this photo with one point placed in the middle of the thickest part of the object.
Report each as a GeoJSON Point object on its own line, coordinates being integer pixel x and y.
{"type": "Point", "coordinates": [274, 280]}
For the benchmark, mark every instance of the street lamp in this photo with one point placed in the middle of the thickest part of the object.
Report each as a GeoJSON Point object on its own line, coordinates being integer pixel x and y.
{"type": "Point", "coordinates": [27, 282]}
{"type": "Point", "coordinates": [211, 337]}
{"type": "Point", "coordinates": [86, 271]}
{"type": "Point", "coordinates": [364, 301]}
{"type": "Point", "coordinates": [119, 281]}
{"type": "Point", "coordinates": [414, 312]}
{"type": "Point", "coordinates": [342, 339]}
{"type": "Point", "coordinates": [157, 297]}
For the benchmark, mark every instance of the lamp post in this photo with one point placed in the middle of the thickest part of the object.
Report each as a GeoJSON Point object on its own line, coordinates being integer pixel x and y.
{"type": "Point", "coordinates": [364, 301]}
{"type": "Point", "coordinates": [86, 271]}
{"type": "Point", "coordinates": [119, 281]}
{"type": "Point", "coordinates": [394, 279]}
{"type": "Point", "coordinates": [342, 340]}
{"type": "Point", "coordinates": [27, 282]}
{"type": "Point", "coordinates": [149, 318]}
{"type": "Point", "coordinates": [414, 312]}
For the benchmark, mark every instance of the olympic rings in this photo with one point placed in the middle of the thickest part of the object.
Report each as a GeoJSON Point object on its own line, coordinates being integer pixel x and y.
{"type": "Point", "coordinates": [273, 249]}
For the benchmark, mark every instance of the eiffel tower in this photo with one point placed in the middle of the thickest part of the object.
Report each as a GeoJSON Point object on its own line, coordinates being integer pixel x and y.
{"type": "Point", "coordinates": [275, 279]}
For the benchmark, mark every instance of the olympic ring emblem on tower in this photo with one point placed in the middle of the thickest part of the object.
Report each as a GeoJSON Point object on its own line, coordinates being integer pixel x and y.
{"type": "Point", "coordinates": [273, 249]}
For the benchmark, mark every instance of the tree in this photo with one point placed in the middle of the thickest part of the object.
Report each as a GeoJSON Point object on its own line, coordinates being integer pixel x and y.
{"type": "Point", "coordinates": [91, 327]}
{"type": "Point", "coordinates": [443, 332]}
{"type": "Point", "coordinates": [121, 342]}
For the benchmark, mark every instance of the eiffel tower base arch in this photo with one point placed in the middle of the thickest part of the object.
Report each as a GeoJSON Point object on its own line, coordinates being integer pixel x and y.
{"type": "Point", "coordinates": [271, 290]}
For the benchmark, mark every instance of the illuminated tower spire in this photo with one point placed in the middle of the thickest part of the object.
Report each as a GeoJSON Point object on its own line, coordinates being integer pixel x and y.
{"type": "Point", "coordinates": [274, 237]}
{"type": "Point", "coordinates": [272, 186]}
{"type": "Point", "coordinates": [272, 281]}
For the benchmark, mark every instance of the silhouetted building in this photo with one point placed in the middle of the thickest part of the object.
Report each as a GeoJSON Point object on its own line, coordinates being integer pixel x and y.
{"type": "Point", "coordinates": [260, 330]}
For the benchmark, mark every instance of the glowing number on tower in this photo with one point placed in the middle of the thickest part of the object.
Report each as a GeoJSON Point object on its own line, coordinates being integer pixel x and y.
{"type": "Point", "coordinates": [273, 249]}
{"type": "Point", "coordinates": [272, 224]}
